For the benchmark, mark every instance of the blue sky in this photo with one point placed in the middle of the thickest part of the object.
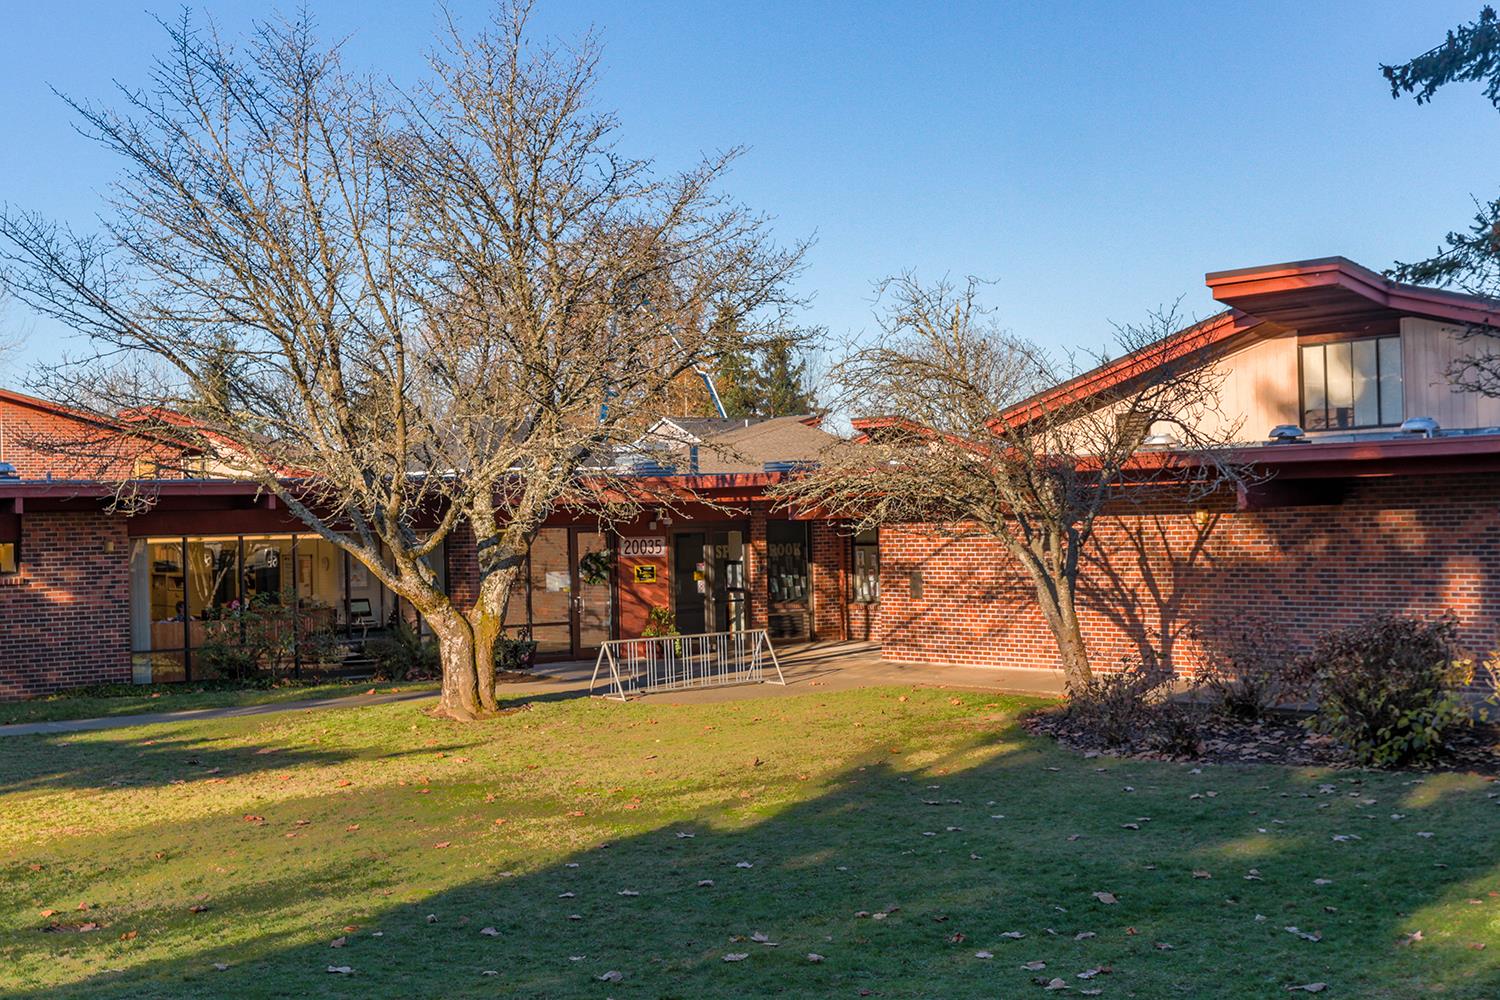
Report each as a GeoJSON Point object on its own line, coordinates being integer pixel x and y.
{"type": "Point", "coordinates": [1095, 160]}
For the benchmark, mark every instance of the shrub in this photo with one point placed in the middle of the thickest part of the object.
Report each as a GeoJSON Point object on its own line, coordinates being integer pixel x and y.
{"type": "Point", "coordinates": [1176, 729]}
{"type": "Point", "coordinates": [659, 622]}
{"type": "Point", "coordinates": [1248, 667]}
{"type": "Point", "coordinates": [515, 655]}
{"type": "Point", "coordinates": [245, 638]}
{"type": "Point", "coordinates": [1387, 689]}
{"type": "Point", "coordinates": [404, 654]}
{"type": "Point", "coordinates": [1120, 708]}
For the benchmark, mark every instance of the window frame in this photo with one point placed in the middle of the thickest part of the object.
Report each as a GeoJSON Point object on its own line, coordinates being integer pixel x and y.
{"type": "Point", "coordinates": [855, 545]}
{"type": "Point", "coordinates": [1323, 342]}
{"type": "Point", "coordinates": [11, 535]}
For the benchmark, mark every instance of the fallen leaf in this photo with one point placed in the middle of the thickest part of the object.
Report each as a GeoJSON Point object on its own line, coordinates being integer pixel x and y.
{"type": "Point", "coordinates": [813, 956]}
{"type": "Point", "coordinates": [442, 844]}
{"type": "Point", "coordinates": [1308, 988]}
{"type": "Point", "coordinates": [1107, 898]}
{"type": "Point", "coordinates": [338, 942]}
{"type": "Point", "coordinates": [612, 976]}
{"type": "Point", "coordinates": [984, 954]}
{"type": "Point", "coordinates": [490, 932]}
{"type": "Point", "coordinates": [342, 970]}
{"type": "Point", "coordinates": [736, 956]}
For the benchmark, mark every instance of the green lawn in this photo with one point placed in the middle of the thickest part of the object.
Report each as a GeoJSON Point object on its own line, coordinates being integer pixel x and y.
{"type": "Point", "coordinates": [931, 813]}
{"type": "Point", "coordinates": [130, 699]}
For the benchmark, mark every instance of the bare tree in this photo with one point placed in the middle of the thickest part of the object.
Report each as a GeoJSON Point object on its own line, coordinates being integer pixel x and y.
{"type": "Point", "coordinates": [976, 441]}
{"type": "Point", "coordinates": [415, 317]}
{"type": "Point", "coordinates": [10, 341]}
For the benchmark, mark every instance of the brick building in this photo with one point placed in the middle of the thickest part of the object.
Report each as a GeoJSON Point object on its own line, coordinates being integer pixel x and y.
{"type": "Point", "coordinates": [90, 595]}
{"type": "Point", "coordinates": [1381, 492]}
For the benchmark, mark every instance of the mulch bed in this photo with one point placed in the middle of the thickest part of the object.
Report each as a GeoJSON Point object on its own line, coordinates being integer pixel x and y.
{"type": "Point", "coordinates": [1280, 739]}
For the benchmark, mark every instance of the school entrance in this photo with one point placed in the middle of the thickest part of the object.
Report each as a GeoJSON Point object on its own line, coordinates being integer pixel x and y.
{"type": "Point", "coordinates": [569, 602]}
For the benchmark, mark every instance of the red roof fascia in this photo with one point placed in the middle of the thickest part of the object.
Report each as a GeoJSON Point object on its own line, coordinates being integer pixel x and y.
{"type": "Point", "coordinates": [1343, 273]}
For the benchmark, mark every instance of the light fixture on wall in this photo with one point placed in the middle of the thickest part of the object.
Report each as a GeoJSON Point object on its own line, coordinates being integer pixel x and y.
{"type": "Point", "coordinates": [1201, 518]}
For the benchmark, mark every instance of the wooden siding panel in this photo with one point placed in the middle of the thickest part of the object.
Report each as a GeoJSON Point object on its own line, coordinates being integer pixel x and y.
{"type": "Point", "coordinates": [1428, 348]}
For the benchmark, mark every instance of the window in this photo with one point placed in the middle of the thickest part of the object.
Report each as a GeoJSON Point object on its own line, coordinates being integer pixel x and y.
{"type": "Point", "coordinates": [10, 544]}
{"type": "Point", "coordinates": [1351, 383]}
{"type": "Point", "coordinates": [864, 582]}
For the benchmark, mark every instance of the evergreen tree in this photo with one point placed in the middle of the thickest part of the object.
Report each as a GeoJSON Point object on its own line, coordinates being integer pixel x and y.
{"type": "Point", "coordinates": [770, 380]}
{"type": "Point", "coordinates": [1468, 259]}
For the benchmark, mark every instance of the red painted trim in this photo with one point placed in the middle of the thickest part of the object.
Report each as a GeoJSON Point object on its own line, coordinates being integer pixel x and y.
{"type": "Point", "coordinates": [1340, 272]}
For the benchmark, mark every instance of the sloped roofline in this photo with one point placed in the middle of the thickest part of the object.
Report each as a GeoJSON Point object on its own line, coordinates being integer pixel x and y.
{"type": "Point", "coordinates": [1341, 272]}
{"type": "Point", "coordinates": [1235, 326]}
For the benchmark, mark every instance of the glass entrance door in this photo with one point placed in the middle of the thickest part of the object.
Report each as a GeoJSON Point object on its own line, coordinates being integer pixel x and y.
{"type": "Point", "coordinates": [592, 616]}
{"type": "Point", "coordinates": [708, 581]}
{"type": "Point", "coordinates": [570, 593]}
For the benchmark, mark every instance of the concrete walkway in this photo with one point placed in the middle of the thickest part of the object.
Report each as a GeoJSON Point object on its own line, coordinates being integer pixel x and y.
{"type": "Point", "coordinates": [811, 666]}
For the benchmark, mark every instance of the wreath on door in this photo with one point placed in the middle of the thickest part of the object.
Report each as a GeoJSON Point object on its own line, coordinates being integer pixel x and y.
{"type": "Point", "coordinates": [594, 568]}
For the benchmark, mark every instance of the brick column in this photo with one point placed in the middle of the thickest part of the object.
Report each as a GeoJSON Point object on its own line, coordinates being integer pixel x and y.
{"type": "Point", "coordinates": [827, 569]}
{"type": "Point", "coordinates": [759, 613]}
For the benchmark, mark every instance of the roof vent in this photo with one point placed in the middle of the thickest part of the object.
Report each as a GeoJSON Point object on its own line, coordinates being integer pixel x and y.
{"type": "Point", "coordinates": [1159, 441]}
{"type": "Point", "coordinates": [1425, 426]}
{"type": "Point", "coordinates": [1286, 434]}
{"type": "Point", "coordinates": [8, 471]}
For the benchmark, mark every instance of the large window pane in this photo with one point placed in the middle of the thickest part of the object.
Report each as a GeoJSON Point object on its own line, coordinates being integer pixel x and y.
{"type": "Point", "coordinates": [551, 578]}
{"type": "Point", "coordinates": [786, 566]}
{"type": "Point", "coordinates": [212, 581]}
{"type": "Point", "coordinates": [157, 594]}
{"type": "Point", "coordinates": [1366, 383]}
{"type": "Point", "coordinates": [865, 580]}
{"type": "Point", "coordinates": [1392, 404]}
{"type": "Point", "coordinates": [1314, 389]}
{"type": "Point", "coordinates": [1338, 358]}
{"type": "Point", "coordinates": [369, 604]}
{"type": "Point", "coordinates": [268, 567]}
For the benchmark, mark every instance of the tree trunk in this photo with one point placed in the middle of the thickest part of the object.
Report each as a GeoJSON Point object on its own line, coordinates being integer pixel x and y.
{"type": "Point", "coordinates": [466, 649]}
{"type": "Point", "coordinates": [1055, 598]}
{"type": "Point", "coordinates": [1071, 648]}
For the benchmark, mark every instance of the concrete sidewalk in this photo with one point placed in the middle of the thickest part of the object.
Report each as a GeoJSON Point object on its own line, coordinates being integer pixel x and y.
{"type": "Point", "coordinates": [810, 666]}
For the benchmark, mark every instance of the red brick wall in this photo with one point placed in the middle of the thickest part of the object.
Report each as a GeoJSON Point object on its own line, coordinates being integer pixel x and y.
{"type": "Point", "coordinates": [463, 568]}
{"type": "Point", "coordinates": [1417, 545]}
{"type": "Point", "coordinates": [830, 585]}
{"type": "Point", "coordinates": [41, 442]}
{"type": "Point", "coordinates": [65, 618]}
